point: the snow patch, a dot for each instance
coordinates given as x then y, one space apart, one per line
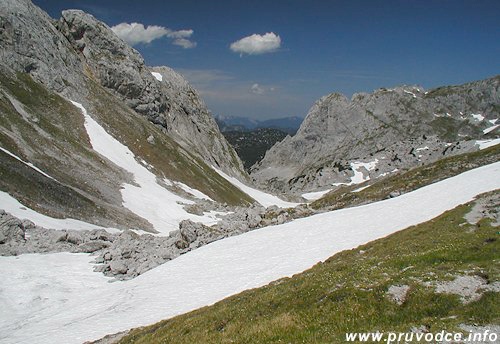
262 197
490 129
312 196
387 173
157 76
64 301
361 188
422 149
19 210
358 176
411 93
483 144
148 199
29 164
196 193
477 117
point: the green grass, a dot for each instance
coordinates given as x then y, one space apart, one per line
348 292
408 181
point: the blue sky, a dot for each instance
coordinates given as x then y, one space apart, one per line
324 46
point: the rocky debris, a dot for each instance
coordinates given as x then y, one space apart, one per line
12 230
398 129
398 293
485 207
469 288
23 236
126 254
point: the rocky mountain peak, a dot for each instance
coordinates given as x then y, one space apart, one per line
67 54
383 125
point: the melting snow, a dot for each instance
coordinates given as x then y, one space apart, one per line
29 164
194 192
387 173
148 199
158 76
361 188
359 177
490 129
408 92
477 116
312 196
57 298
13 206
483 144
263 198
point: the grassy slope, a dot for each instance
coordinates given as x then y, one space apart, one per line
55 123
348 292
407 181
51 134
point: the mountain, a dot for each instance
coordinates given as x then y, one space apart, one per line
234 123
252 145
345 141
60 77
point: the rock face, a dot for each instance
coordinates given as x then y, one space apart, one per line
168 101
63 54
390 128
30 43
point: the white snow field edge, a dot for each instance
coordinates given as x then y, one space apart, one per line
147 199
57 298
263 198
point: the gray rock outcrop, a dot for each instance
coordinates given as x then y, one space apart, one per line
395 128
64 54
170 102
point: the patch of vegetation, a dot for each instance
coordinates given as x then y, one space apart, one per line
45 124
407 181
347 293
251 146
443 91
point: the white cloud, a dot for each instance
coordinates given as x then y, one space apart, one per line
256 89
136 33
180 34
185 43
257 44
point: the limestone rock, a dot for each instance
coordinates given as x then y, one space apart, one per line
387 130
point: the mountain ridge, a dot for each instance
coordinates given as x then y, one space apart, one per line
394 128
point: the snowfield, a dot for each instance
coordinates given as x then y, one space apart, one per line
148 199
56 298
263 198
19 210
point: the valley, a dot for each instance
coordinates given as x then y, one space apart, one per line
128 207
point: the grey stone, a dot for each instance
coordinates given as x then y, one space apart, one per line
93 246
118 267
402 128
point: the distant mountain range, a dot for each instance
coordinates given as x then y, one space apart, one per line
290 125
